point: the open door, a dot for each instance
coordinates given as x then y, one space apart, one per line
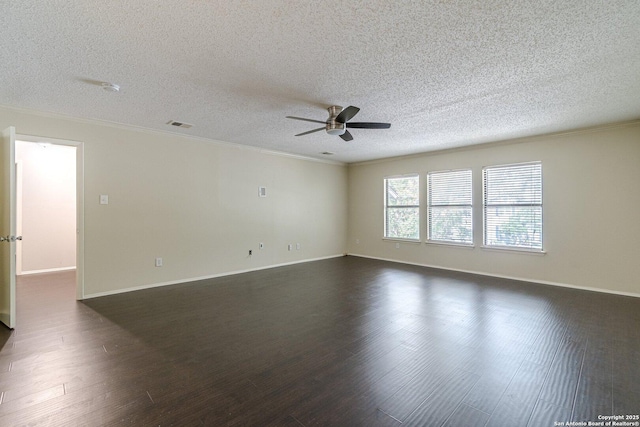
8 228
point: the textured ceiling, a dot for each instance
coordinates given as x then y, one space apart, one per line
444 73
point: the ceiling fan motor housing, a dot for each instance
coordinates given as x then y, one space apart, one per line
334 127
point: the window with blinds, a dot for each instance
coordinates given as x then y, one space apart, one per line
449 207
513 206
402 207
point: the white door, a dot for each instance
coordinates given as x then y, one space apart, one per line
8 228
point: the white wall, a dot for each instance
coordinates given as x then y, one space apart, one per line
48 211
591 197
192 202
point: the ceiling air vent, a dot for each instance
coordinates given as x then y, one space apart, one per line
179 124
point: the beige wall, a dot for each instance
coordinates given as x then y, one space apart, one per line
591 198
192 202
195 204
47 183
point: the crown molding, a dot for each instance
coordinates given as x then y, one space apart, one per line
502 142
142 129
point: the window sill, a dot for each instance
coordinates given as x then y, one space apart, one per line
514 250
398 239
455 245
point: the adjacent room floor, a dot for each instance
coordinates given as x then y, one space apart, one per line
340 342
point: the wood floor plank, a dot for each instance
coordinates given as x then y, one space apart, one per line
440 405
519 399
14 401
344 341
548 414
625 401
562 381
489 389
467 416
440 366
593 398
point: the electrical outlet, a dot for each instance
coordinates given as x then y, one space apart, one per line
250 252
261 245
397 245
290 246
158 262
297 246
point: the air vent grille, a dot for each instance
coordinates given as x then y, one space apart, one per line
179 124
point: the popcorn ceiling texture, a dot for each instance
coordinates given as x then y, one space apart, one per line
444 73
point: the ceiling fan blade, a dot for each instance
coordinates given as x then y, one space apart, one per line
346 136
346 114
312 131
368 125
306 120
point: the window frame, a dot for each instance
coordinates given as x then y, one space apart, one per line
485 245
470 205
387 207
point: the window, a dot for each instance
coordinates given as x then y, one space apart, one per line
513 206
449 207
402 208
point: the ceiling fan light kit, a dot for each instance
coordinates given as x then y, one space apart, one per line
337 123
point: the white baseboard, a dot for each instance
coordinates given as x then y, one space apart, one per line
212 276
522 279
46 270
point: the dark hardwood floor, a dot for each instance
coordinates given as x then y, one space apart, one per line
341 342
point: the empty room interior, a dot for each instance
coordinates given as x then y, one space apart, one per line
332 213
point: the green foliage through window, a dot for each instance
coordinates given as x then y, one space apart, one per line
449 207
402 211
513 206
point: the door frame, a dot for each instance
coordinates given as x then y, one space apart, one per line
79 146
8 261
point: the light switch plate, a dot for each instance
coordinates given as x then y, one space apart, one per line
104 199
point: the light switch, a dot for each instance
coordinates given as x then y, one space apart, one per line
104 199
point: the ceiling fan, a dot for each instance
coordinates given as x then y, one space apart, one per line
338 122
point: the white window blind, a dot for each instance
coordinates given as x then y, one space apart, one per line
513 206
402 207
449 207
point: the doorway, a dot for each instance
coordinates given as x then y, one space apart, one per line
49 184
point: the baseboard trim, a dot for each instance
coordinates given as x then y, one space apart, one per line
521 279
212 276
46 270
